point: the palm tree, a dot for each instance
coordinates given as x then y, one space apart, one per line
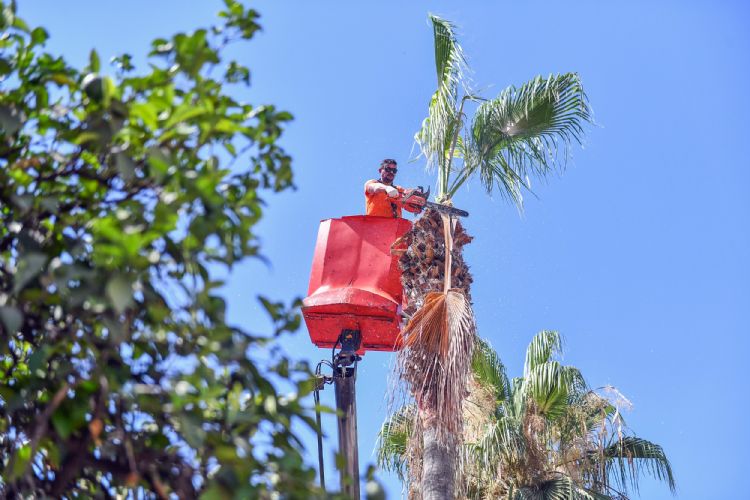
545 435
523 131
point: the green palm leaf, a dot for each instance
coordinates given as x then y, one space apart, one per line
488 370
561 488
502 442
393 440
550 385
443 120
542 348
524 131
630 456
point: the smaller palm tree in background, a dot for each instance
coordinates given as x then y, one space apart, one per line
545 435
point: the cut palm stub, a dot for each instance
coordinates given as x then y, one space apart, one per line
422 260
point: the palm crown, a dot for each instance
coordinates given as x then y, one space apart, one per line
524 131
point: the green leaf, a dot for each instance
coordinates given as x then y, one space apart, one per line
39 36
22 459
5 66
438 129
525 131
29 266
94 62
184 113
146 111
53 454
488 370
39 358
8 14
12 319
62 423
159 162
125 166
191 431
216 492
84 138
119 291
10 120
71 415
543 347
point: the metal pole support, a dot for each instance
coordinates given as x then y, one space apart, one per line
344 378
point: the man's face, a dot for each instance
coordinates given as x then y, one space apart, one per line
388 172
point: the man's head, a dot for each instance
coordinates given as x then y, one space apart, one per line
388 169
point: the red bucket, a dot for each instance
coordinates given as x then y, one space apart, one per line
355 283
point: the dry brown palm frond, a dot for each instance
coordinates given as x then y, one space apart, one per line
479 410
436 358
428 325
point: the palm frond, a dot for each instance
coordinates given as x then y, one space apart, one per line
436 356
518 397
393 440
552 386
438 129
449 56
547 385
503 442
489 371
582 424
559 488
524 131
573 377
542 348
629 457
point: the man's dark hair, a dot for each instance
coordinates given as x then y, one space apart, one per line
387 161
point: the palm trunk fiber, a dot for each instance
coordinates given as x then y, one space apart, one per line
423 262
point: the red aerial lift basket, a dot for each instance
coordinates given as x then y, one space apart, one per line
355 283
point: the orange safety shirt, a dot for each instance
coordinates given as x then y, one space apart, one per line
380 203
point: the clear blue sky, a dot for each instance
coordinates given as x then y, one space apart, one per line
638 254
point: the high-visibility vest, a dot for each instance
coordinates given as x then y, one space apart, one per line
380 203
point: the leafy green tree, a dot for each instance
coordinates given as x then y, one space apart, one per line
545 435
120 198
524 131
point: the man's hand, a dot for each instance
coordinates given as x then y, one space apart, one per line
392 192
379 187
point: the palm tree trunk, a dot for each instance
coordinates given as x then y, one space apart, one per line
438 470
437 370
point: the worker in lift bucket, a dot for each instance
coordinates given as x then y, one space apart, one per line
385 199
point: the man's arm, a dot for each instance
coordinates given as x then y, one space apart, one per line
373 187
